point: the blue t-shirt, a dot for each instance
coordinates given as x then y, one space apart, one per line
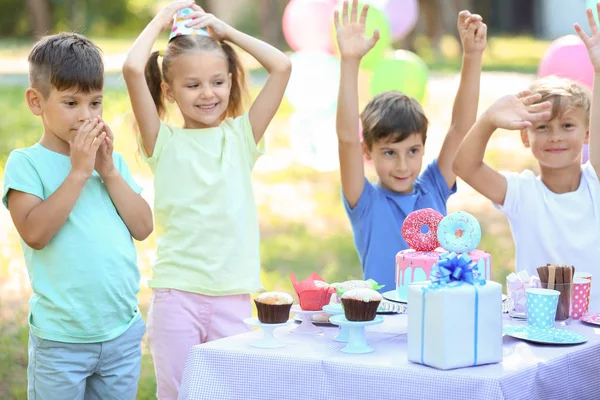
85 281
378 216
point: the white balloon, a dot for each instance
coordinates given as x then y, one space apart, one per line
314 141
314 83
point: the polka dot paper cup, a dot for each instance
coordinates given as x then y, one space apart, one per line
581 297
541 307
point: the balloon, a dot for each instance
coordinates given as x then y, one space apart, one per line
406 72
314 82
376 19
567 57
403 16
585 154
314 141
306 24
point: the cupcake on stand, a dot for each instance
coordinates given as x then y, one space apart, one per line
313 293
273 310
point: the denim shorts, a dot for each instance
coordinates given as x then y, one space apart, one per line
105 370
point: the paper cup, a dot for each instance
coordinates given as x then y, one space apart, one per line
581 297
541 307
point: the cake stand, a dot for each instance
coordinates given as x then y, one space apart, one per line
306 327
337 309
268 341
357 342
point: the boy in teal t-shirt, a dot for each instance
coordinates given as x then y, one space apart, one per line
76 208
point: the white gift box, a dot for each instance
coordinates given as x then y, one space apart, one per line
454 327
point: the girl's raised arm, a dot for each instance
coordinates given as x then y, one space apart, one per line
276 63
145 95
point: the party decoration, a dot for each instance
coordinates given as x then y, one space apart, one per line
306 25
403 16
405 72
314 141
567 57
314 83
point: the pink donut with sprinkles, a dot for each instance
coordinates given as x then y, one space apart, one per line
413 226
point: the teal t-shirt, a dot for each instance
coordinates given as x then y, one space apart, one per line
85 281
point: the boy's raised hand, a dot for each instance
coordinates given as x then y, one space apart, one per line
516 112
592 43
104 157
472 31
351 31
84 147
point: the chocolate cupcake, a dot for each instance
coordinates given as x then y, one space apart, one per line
361 304
273 307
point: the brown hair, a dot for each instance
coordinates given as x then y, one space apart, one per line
190 43
392 116
64 61
564 94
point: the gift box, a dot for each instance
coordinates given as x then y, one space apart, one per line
455 320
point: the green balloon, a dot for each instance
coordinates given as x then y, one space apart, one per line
406 73
376 19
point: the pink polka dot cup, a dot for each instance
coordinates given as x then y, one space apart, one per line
581 297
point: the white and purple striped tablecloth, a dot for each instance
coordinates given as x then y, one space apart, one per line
313 367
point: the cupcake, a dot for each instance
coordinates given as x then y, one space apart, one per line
343 287
313 292
273 307
361 304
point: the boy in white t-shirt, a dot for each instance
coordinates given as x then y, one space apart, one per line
554 217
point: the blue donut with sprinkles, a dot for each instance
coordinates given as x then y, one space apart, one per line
459 232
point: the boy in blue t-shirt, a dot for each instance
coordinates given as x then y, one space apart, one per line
76 208
394 133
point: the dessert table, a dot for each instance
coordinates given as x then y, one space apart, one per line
313 367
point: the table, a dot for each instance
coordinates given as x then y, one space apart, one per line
313 367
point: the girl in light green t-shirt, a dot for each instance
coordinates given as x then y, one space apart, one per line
207 229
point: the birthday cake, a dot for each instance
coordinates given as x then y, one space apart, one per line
424 231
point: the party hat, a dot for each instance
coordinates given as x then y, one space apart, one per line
180 29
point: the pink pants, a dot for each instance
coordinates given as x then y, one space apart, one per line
178 320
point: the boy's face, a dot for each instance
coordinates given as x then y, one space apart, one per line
558 143
64 111
397 164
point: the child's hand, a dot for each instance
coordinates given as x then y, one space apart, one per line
518 112
351 32
104 157
591 42
200 19
84 146
472 31
165 16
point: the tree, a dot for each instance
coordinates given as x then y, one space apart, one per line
41 16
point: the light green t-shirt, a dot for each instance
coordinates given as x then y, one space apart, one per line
206 222
85 281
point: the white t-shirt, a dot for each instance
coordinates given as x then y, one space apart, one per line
556 228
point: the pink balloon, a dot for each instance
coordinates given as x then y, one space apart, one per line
307 25
403 16
567 57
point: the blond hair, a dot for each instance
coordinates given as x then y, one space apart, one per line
564 94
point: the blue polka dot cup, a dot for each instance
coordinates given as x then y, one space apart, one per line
541 307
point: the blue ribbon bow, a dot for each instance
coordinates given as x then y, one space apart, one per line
455 269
